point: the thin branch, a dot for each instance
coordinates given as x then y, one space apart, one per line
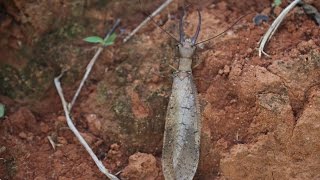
90 65
274 26
76 132
67 108
165 4
85 76
53 144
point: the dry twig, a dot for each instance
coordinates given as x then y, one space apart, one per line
90 65
53 144
67 108
165 4
274 26
76 132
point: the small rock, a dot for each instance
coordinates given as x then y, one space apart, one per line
2 149
62 140
61 119
115 146
141 166
266 10
114 151
44 127
249 50
114 156
226 69
23 135
212 6
94 124
30 137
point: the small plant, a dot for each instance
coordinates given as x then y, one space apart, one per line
276 3
2 110
104 42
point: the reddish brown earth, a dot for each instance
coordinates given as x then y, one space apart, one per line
260 116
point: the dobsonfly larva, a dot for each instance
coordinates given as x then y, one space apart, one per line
181 144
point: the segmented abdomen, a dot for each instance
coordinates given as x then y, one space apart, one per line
180 154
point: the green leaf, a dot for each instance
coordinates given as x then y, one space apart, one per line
2 110
94 39
276 3
110 40
108 43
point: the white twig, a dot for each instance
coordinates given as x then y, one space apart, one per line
53 144
165 4
90 65
67 108
76 132
274 26
85 76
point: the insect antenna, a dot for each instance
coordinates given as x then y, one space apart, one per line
224 30
151 18
195 37
181 32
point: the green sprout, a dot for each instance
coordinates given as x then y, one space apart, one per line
104 42
276 3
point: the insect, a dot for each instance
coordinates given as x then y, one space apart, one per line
181 143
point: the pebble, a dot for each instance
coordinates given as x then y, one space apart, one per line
94 124
23 135
44 127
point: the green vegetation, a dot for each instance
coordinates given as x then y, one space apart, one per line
2 110
104 42
276 3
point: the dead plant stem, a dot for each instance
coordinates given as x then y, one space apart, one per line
274 26
165 4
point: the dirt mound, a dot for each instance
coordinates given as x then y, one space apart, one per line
141 166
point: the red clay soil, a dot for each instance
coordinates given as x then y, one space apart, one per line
260 116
